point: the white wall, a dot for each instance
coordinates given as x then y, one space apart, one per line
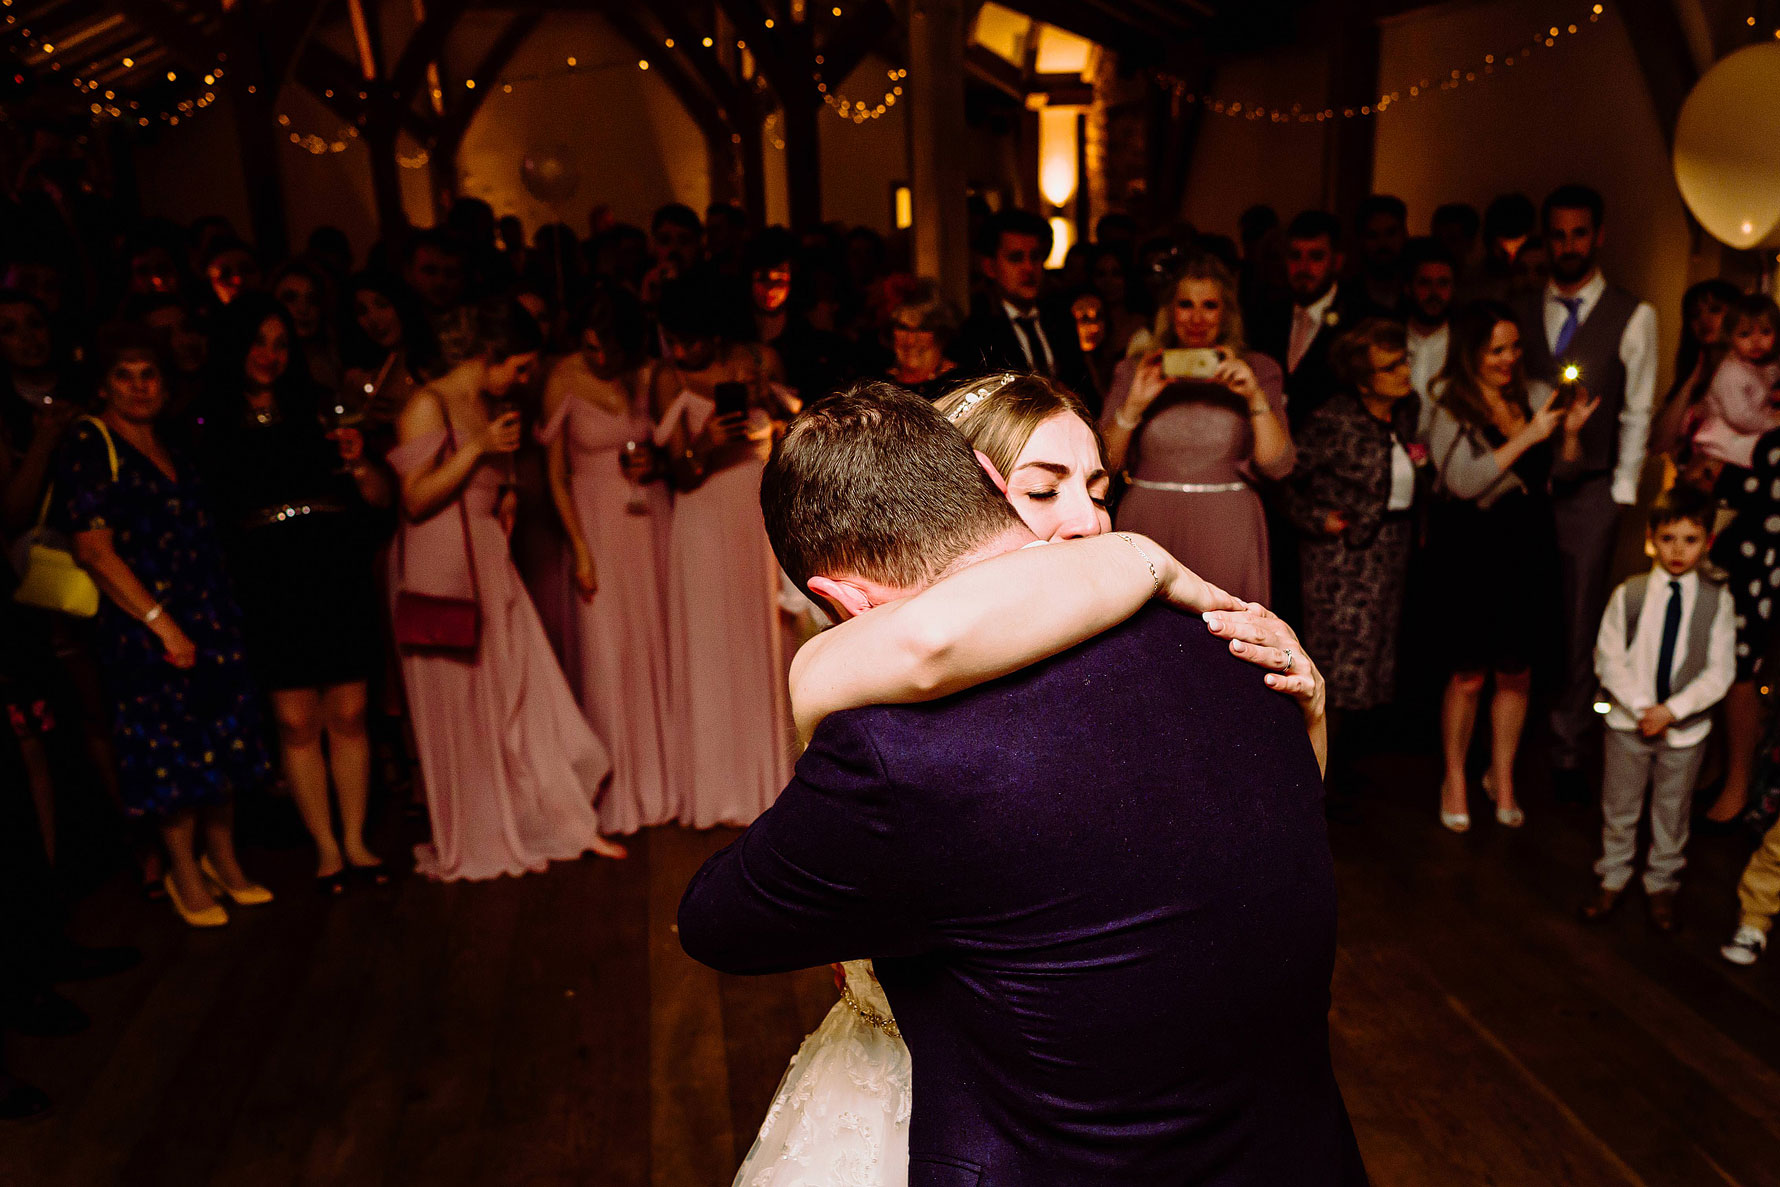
1239 162
634 145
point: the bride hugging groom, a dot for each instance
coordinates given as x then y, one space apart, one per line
1080 842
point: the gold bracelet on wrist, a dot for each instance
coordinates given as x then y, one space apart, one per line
1155 577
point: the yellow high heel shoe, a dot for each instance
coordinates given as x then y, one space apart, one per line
211 916
251 895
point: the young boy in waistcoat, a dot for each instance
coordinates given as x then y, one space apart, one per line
1665 655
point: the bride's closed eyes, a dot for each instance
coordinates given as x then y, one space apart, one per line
1059 483
1098 487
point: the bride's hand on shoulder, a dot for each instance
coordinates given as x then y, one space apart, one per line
1260 637
1255 633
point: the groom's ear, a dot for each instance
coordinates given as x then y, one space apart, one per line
989 469
848 599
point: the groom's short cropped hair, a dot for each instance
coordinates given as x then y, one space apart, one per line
875 483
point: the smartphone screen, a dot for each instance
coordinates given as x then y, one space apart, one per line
731 398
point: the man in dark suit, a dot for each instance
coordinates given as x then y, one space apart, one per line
1299 334
1098 892
1011 331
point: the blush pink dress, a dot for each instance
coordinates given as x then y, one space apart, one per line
621 634
725 646
510 765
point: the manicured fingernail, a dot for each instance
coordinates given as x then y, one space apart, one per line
1212 620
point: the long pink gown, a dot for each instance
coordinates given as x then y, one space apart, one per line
621 634
725 647
510 765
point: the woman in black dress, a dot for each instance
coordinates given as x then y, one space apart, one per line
185 711
1494 540
299 513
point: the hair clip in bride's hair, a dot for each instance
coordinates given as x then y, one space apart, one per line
978 394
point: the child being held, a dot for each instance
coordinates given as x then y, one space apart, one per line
1739 404
1665 655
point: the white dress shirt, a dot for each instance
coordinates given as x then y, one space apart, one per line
1402 478
1427 357
1307 320
1046 366
1628 675
1637 351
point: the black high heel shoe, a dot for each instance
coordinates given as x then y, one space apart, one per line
376 874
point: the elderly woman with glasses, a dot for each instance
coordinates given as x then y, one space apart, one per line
922 325
1351 500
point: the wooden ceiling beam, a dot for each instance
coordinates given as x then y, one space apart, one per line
425 45
993 70
183 39
463 110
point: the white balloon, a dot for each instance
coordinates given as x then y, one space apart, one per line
549 174
1727 147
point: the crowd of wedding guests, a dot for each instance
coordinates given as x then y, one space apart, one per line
475 520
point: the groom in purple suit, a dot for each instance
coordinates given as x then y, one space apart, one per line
1098 891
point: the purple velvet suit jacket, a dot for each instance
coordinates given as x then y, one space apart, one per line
1101 902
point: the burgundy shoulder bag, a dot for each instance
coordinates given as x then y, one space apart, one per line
428 624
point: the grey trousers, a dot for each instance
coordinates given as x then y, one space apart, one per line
1630 764
1587 531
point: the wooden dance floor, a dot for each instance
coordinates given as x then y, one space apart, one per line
548 1030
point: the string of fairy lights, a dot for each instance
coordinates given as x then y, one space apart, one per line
859 111
106 103
855 111
1462 75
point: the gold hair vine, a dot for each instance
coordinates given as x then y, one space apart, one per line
977 395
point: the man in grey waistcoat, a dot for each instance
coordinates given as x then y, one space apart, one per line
1610 335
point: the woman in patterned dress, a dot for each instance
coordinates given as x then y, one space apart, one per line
187 716
1351 500
1749 551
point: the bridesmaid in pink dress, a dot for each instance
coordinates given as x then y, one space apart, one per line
510 766
725 646
597 439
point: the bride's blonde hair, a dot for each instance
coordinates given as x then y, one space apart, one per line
999 413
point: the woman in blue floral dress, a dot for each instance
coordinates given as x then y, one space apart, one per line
169 634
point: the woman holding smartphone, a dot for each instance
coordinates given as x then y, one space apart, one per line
718 409
1194 422
511 766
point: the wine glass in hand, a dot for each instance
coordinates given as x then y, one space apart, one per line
634 461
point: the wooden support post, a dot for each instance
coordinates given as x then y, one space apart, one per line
937 144
803 162
1353 83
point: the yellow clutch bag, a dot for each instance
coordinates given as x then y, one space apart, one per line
50 579
49 576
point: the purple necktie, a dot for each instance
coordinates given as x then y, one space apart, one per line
1567 331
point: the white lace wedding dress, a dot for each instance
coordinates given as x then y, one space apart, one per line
841 1116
